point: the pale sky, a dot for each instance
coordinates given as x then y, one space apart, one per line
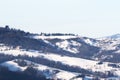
92 18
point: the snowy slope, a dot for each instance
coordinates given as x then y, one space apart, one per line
52 37
49 72
108 44
66 50
71 61
79 62
70 52
115 36
69 46
12 66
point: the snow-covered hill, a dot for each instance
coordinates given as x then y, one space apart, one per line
81 63
115 36
48 72
59 56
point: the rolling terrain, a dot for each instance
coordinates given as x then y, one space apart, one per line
57 56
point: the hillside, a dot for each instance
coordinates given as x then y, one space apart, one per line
55 56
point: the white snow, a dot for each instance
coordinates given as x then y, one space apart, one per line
108 43
65 75
20 52
118 51
115 36
71 61
53 37
46 41
3 47
88 41
12 66
117 72
66 45
78 79
61 74
79 62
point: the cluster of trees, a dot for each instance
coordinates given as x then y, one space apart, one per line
13 37
29 74
41 60
21 60
57 34
12 32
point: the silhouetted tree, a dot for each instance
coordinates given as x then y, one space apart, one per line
7 27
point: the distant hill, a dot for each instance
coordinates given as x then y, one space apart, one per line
53 56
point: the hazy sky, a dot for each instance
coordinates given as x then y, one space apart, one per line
93 18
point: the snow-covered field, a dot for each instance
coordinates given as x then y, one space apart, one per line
66 45
64 75
79 62
12 66
104 43
71 61
53 37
